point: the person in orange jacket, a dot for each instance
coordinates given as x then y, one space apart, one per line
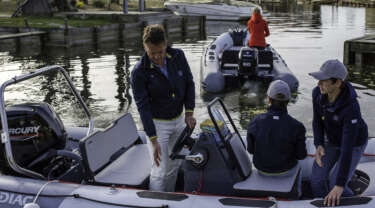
258 29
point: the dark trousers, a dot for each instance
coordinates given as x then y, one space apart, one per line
323 179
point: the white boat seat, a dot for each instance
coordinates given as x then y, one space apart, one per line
255 184
115 155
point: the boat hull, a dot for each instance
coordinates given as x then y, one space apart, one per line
211 11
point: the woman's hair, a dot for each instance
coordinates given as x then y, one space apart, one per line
256 10
154 34
334 80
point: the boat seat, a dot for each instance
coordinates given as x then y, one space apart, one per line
265 60
116 155
258 185
229 58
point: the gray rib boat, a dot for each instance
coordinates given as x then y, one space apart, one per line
45 164
229 58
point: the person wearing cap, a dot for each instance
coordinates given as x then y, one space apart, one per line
276 139
340 133
163 86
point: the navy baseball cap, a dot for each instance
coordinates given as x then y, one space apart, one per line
331 69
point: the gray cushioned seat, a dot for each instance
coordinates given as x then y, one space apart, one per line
131 168
260 182
255 184
114 156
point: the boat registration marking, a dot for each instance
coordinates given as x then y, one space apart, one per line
13 199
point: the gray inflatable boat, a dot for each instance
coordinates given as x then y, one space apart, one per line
45 164
228 61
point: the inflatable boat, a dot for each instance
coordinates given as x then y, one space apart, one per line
228 61
45 164
213 10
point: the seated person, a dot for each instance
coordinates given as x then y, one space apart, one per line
277 140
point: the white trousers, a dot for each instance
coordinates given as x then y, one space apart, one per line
163 178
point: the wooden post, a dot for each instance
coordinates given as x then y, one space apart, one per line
141 5
358 59
125 6
121 37
95 37
165 25
202 29
66 32
184 28
347 53
26 23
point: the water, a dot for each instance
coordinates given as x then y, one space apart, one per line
304 36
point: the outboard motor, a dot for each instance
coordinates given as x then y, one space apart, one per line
248 61
238 36
34 129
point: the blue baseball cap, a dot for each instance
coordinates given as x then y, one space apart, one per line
331 69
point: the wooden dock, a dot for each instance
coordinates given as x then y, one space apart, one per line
360 52
354 3
128 29
24 34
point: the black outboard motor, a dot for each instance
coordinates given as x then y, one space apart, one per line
238 36
34 128
248 61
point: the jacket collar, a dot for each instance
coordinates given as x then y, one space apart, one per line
277 110
347 95
169 56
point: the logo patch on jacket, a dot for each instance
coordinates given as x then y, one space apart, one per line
275 117
354 121
180 73
335 117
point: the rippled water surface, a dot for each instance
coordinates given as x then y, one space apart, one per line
304 36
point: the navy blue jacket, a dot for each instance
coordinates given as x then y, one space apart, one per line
159 97
276 140
341 123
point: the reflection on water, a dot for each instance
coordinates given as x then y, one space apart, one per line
304 36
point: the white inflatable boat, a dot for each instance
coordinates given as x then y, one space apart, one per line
45 164
229 60
213 10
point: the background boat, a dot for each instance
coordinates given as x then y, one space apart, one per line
213 9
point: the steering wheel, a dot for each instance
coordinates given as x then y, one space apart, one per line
181 141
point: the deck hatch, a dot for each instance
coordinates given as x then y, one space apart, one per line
161 195
345 201
246 202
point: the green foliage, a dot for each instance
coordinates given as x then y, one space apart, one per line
99 3
80 4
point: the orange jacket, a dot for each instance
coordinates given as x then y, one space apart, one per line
258 29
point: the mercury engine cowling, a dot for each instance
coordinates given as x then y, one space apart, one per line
248 61
34 128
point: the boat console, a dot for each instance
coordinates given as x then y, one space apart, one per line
228 170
